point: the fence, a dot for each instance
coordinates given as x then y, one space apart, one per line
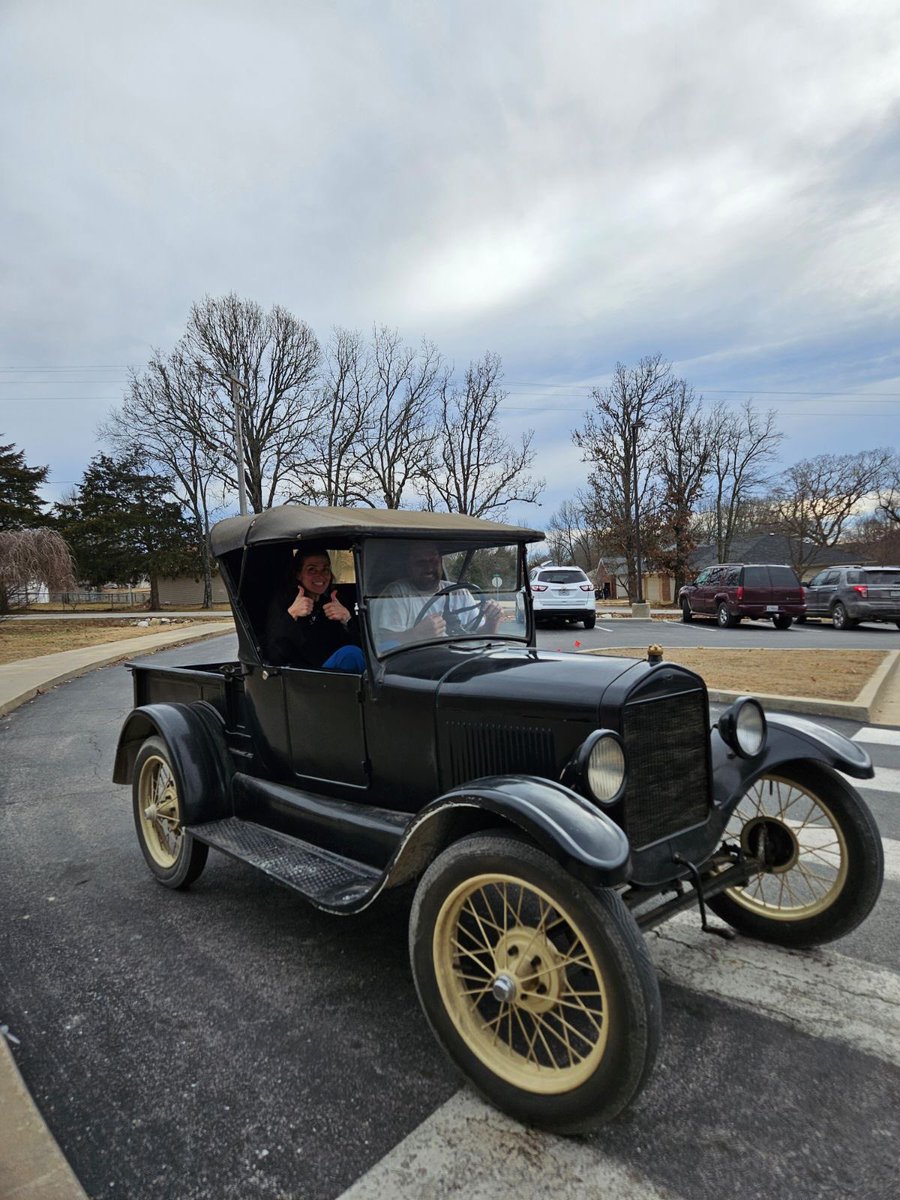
121 598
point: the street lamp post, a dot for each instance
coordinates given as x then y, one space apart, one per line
637 513
236 385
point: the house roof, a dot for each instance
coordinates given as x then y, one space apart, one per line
303 522
775 548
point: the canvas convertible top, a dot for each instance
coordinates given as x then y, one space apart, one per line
302 522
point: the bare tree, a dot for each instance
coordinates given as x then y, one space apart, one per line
335 473
623 428
32 556
166 411
743 446
473 468
889 491
398 432
276 356
820 496
683 454
571 538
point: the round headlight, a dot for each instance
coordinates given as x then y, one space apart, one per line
743 727
606 768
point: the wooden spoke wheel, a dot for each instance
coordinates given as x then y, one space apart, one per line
823 855
540 990
171 854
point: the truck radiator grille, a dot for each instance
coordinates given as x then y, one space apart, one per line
667 748
491 749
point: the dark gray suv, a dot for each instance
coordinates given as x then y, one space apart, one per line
852 594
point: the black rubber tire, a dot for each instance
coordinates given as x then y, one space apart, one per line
190 857
590 620
782 621
724 619
859 857
840 617
686 615
607 931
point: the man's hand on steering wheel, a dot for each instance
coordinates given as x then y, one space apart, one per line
452 619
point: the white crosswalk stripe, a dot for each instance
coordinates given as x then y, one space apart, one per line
876 735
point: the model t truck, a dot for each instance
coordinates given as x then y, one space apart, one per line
546 807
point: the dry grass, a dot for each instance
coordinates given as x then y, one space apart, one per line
30 639
826 674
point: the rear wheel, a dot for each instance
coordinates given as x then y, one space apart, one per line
540 990
590 620
841 619
171 854
686 614
782 621
825 856
724 618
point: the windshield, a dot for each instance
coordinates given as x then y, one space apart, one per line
417 592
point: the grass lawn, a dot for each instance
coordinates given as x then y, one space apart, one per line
826 674
29 639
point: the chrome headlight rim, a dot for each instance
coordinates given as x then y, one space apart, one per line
735 727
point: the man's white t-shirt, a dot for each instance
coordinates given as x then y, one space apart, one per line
400 605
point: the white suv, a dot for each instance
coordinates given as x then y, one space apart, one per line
563 593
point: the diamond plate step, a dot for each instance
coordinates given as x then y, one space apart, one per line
325 878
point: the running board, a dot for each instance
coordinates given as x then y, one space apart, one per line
323 877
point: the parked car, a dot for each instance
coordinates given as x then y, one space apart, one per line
559 593
728 592
849 595
546 807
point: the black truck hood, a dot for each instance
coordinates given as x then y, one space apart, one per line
526 681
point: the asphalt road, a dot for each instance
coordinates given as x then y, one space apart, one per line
230 1042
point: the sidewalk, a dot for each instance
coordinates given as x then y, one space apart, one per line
32 1167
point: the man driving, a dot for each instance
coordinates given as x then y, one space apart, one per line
400 616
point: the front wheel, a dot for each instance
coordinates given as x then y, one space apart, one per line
824 854
540 991
686 614
171 854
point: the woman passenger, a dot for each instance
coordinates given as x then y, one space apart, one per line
308 625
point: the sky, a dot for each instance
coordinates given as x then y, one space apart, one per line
566 183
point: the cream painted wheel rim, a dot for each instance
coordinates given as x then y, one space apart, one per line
159 811
813 869
520 983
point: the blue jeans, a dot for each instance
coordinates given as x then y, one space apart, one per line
348 658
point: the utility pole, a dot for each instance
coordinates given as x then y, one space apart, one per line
637 514
236 385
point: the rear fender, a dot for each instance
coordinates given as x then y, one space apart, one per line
579 836
195 739
790 739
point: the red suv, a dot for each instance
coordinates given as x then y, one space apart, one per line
730 591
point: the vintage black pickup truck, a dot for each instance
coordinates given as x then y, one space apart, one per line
542 808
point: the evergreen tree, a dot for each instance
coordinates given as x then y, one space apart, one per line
20 505
123 526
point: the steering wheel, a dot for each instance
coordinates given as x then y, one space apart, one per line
453 619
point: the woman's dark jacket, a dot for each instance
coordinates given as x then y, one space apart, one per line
308 641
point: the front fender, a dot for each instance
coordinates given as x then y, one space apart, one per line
194 737
579 836
790 739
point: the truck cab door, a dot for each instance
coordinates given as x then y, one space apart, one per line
325 729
